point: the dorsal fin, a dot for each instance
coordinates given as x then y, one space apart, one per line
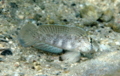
55 29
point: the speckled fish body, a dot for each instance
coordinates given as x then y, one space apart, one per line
54 38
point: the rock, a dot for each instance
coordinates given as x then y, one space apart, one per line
107 15
106 64
7 52
1 60
13 5
89 14
114 26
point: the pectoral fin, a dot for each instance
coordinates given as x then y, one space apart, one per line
47 47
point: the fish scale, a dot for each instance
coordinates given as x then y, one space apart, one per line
61 41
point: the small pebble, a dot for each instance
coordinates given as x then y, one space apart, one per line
73 4
65 20
58 73
37 66
41 75
17 64
3 40
34 0
1 59
21 74
39 24
13 5
7 52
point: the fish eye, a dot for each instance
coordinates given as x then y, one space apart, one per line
91 40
